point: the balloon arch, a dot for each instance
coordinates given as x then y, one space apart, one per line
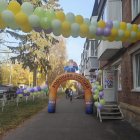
71 76
27 18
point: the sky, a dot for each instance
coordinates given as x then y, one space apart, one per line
77 7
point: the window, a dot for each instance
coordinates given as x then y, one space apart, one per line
119 78
93 48
135 8
136 70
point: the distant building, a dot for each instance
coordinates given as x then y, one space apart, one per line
89 61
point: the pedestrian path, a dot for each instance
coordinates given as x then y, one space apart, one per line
71 123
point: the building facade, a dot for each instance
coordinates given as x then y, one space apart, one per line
119 61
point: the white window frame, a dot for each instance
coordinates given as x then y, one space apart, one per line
132 7
134 72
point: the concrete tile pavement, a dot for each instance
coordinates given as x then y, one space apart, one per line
71 123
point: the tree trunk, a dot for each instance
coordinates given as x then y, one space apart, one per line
34 77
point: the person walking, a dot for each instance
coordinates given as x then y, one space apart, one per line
71 95
67 93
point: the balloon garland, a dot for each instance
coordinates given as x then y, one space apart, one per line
98 93
26 18
33 91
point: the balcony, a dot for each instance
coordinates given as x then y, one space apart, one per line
108 49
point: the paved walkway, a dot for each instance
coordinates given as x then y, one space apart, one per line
71 123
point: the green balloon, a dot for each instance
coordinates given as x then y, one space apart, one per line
102 101
3 5
129 26
96 104
39 12
20 95
96 91
34 20
95 97
133 35
50 14
116 24
100 88
97 83
45 23
120 33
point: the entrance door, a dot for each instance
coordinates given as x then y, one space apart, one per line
109 85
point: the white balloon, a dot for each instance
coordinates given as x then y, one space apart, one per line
27 8
34 20
8 17
75 29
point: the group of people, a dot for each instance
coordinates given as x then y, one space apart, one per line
69 93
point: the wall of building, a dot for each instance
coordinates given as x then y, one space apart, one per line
129 100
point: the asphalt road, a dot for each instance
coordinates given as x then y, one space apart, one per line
71 123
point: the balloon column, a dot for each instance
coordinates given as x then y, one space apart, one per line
28 18
71 67
98 94
34 91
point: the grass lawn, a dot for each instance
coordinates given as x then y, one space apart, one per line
12 115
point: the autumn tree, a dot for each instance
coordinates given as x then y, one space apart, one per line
58 59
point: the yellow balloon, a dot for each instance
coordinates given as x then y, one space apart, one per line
14 6
111 38
84 30
21 19
135 27
123 25
2 24
89 36
26 28
66 26
138 36
79 19
114 32
127 34
101 24
66 34
60 15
